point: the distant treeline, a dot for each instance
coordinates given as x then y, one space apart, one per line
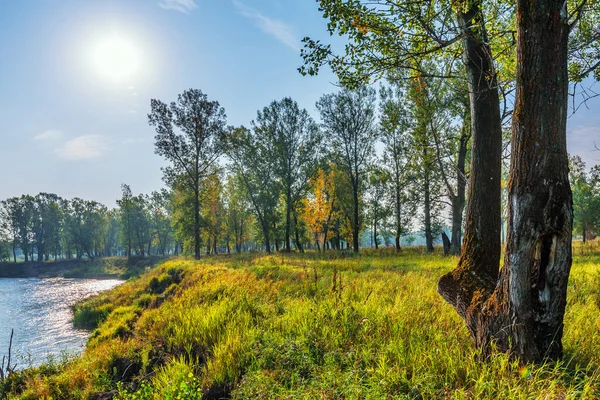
285 183
47 226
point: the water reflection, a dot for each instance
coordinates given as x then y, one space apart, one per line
40 312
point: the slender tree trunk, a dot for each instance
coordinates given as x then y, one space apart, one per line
524 312
458 201
398 215
14 249
288 220
197 222
265 227
298 243
375 234
427 212
355 227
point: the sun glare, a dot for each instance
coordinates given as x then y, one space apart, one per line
115 58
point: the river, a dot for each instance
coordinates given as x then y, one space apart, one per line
40 312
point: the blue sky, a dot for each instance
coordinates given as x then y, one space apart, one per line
69 126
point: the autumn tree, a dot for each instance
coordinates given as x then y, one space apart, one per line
319 207
212 211
349 120
189 134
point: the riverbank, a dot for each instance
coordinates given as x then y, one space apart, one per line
306 326
98 268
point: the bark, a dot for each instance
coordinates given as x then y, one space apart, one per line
458 200
398 211
523 312
298 243
480 258
446 244
196 223
427 212
288 221
356 218
375 234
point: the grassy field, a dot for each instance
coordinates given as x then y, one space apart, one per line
333 326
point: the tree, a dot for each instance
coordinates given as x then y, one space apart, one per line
252 162
160 214
237 210
46 224
394 127
425 171
212 211
194 151
295 139
87 224
126 217
111 238
10 213
586 197
348 117
521 308
385 37
378 209
319 208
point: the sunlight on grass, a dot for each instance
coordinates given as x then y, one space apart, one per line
293 326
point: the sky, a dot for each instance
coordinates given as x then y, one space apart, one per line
76 79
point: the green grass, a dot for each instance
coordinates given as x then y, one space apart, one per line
311 326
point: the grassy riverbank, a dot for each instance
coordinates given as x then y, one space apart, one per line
99 268
309 327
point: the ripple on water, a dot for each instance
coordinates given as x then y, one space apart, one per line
40 312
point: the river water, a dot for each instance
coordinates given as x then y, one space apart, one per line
40 312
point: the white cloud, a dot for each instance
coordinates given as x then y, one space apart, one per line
51 134
133 140
273 27
184 6
82 147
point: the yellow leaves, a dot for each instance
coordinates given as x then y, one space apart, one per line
317 208
362 28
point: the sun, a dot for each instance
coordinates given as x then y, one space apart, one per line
115 58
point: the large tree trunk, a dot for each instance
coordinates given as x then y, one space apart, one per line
523 313
480 257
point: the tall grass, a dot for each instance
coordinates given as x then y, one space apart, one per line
310 326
